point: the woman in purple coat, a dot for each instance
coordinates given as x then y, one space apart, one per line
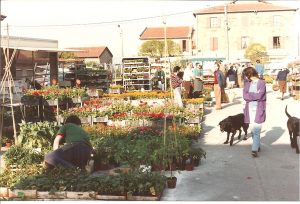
254 93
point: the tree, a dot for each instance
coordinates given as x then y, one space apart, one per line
256 51
67 55
156 48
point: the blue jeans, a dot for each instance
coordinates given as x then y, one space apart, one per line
70 155
255 131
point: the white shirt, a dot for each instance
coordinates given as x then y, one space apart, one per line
187 74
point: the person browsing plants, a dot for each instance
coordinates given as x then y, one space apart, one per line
77 149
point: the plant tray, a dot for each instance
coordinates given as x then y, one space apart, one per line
195 106
116 91
51 195
77 100
80 195
22 193
110 197
194 120
51 102
86 120
100 119
143 198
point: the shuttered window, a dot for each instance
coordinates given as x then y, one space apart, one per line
244 42
214 22
213 44
276 42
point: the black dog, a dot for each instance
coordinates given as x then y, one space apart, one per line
293 127
233 123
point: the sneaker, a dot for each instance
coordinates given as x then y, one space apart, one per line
254 154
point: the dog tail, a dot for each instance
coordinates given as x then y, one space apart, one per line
288 115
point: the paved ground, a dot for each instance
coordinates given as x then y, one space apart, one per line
230 173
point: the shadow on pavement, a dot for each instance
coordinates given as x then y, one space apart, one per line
272 135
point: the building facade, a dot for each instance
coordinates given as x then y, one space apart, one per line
101 55
182 35
227 30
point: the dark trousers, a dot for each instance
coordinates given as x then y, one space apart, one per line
70 156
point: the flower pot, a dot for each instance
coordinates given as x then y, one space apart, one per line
157 167
171 182
196 162
189 167
8 145
3 192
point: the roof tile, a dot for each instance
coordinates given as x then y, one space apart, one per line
244 7
88 51
171 33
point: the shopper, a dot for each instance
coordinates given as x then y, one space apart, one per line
159 79
231 77
176 86
197 81
77 150
187 81
219 83
281 78
254 93
259 69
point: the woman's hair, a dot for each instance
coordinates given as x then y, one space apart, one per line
180 75
73 119
176 69
250 72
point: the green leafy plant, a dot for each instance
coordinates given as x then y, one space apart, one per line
17 155
37 135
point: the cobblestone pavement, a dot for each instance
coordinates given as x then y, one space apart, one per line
230 173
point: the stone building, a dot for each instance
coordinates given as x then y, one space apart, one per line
182 35
271 25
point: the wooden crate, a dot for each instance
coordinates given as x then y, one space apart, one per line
80 195
143 198
22 193
51 195
3 192
110 197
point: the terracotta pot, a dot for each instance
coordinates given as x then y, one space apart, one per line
171 182
8 145
189 167
196 162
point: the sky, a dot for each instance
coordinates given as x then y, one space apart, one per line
80 23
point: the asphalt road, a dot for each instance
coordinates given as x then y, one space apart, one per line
230 173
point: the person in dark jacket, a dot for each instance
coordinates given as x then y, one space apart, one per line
281 78
231 76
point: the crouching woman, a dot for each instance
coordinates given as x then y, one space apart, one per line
77 149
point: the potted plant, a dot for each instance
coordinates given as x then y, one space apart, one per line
171 153
196 154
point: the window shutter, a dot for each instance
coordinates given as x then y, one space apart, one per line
211 45
208 22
